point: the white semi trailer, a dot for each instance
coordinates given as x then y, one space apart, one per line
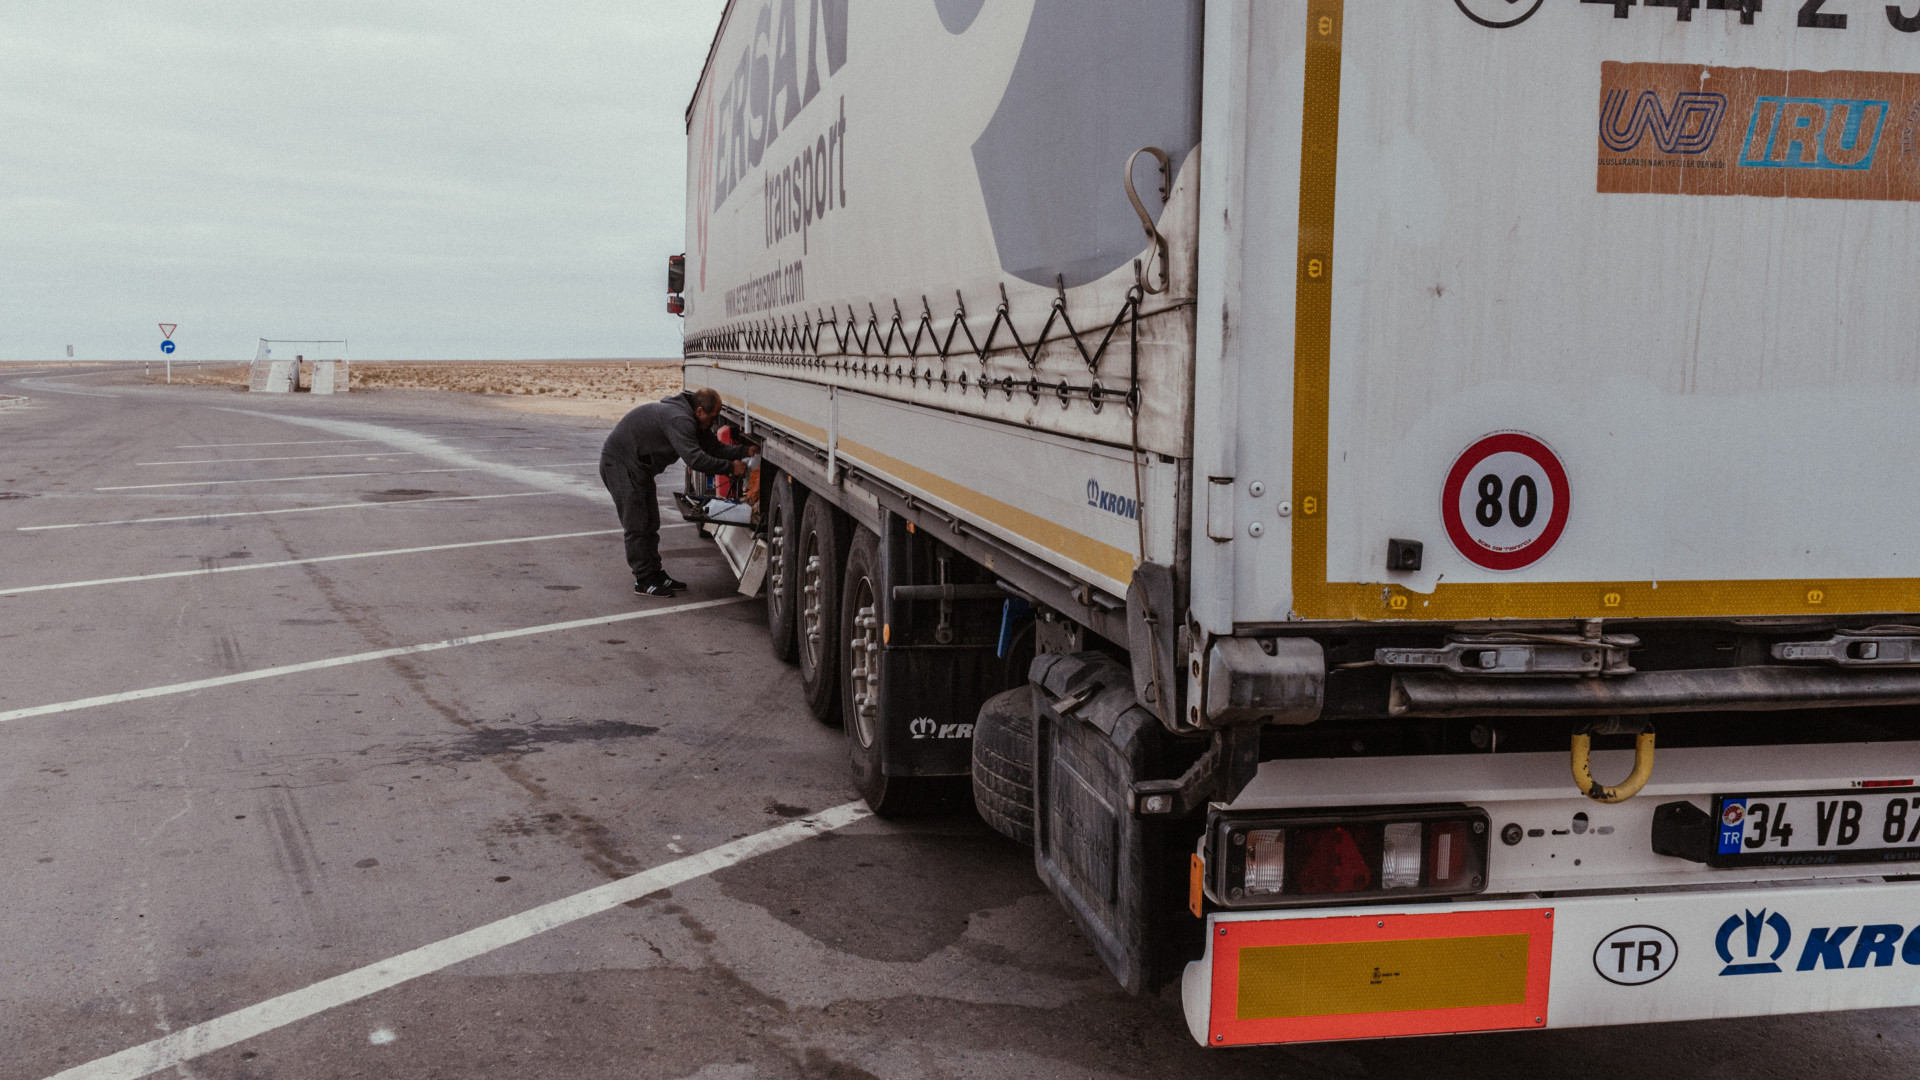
1268 445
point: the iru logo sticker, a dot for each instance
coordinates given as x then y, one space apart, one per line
1814 133
1758 928
1635 955
1112 502
1685 129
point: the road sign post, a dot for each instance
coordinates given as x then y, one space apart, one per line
167 346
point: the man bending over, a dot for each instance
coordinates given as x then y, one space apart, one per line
642 445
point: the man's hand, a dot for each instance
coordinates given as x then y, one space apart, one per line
739 468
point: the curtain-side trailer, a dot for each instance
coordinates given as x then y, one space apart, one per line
1401 504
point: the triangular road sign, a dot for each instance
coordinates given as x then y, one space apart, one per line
167 329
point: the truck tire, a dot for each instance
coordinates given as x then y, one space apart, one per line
821 554
1003 764
783 577
861 695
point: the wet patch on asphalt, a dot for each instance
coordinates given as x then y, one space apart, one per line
896 897
595 842
502 746
482 742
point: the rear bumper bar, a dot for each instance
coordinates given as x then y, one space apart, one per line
1277 977
1704 690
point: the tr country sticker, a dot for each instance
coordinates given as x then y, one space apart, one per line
1506 500
1635 955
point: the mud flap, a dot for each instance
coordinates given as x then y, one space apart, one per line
1119 875
931 699
931 688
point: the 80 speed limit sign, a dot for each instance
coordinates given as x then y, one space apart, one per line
1505 502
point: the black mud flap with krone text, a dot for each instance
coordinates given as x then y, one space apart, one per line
941 658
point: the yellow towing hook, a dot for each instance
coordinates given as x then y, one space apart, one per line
1626 789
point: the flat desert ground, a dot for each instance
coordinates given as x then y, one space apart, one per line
597 388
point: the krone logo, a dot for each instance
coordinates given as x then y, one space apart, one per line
1499 14
1758 927
923 728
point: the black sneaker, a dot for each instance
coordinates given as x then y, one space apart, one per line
660 586
670 582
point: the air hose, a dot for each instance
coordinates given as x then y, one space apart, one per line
1626 789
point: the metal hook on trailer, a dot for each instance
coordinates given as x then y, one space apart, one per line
1160 249
1582 762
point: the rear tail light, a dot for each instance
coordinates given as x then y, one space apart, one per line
1274 860
1331 860
1400 861
676 284
1450 862
1266 862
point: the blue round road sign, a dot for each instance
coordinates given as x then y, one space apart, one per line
166 346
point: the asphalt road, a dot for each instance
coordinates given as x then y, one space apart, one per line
223 788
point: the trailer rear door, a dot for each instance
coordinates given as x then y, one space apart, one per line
1610 306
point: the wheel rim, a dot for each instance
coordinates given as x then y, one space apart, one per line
863 664
777 563
812 621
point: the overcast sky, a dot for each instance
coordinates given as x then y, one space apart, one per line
425 178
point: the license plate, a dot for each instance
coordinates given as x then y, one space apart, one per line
1817 828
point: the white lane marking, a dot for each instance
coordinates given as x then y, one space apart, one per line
323 476
235 1027
317 442
21 590
355 658
251 460
293 442
275 479
289 510
41 384
323 457
426 445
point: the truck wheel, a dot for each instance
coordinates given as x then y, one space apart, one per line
818 559
783 577
1003 764
861 709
